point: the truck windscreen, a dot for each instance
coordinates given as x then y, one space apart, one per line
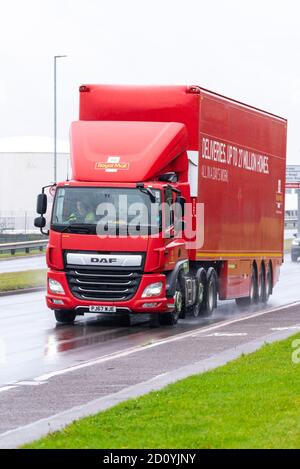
107 211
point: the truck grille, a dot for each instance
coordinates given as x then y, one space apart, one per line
103 284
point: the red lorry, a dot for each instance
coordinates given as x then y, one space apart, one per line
209 174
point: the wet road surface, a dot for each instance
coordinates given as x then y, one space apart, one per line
22 263
31 343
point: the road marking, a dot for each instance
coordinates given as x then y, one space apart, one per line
7 388
27 383
227 334
287 328
141 348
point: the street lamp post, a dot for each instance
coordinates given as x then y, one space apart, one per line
55 117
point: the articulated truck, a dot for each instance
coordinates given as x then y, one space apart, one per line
176 202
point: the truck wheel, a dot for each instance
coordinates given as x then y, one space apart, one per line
170 319
211 291
64 316
199 307
184 309
268 287
249 300
261 286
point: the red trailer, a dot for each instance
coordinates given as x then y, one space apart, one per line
211 171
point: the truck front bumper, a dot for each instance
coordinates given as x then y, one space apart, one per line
137 304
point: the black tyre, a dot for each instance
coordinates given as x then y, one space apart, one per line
64 316
249 300
261 286
268 287
171 318
184 309
211 291
199 307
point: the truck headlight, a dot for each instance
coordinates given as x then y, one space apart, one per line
55 286
296 242
154 289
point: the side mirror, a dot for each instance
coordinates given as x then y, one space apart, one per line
41 206
295 235
40 222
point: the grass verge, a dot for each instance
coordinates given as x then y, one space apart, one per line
32 253
253 402
11 281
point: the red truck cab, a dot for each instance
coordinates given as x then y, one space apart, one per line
176 200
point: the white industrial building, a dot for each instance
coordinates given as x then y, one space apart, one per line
27 164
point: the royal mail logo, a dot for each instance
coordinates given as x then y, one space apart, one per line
112 164
102 165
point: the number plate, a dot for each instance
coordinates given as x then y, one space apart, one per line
102 309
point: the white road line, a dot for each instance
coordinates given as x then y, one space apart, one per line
141 348
287 328
27 383
7 388
227 334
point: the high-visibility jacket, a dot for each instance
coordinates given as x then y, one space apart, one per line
75 217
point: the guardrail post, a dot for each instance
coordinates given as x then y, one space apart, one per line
26 246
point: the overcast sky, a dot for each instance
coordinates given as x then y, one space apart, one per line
248 50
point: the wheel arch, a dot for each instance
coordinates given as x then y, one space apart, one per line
173 275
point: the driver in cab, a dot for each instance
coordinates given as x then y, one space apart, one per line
82 214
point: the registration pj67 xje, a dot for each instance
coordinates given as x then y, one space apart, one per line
102 309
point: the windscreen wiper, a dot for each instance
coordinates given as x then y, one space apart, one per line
146 190
78 228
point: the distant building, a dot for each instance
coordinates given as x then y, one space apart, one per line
26 166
